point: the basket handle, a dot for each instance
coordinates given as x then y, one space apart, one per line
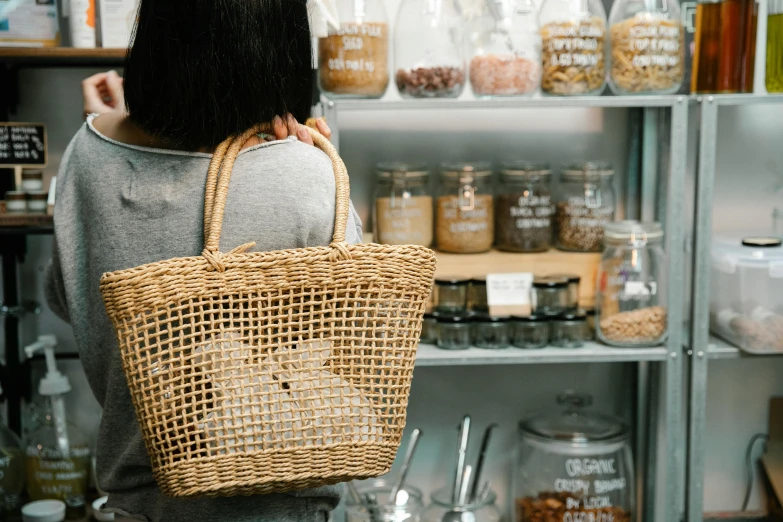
219 176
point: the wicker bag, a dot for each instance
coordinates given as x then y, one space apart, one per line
264 372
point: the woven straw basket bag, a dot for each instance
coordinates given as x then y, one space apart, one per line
264 372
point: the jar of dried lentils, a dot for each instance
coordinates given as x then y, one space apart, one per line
523 207
464 222
403 205
353 60
585 204
574 47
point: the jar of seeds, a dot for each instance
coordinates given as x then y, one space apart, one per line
585 204
523 208
465 211
403 205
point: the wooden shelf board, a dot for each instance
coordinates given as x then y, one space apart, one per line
60 55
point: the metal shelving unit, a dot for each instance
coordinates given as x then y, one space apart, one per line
660 369
703 346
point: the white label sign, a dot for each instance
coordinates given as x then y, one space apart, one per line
509 294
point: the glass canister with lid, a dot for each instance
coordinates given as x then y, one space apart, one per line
506 56
585 204
573 466
464 223
523 207
403 205
429 49
648 47
632 283
574 45
353 59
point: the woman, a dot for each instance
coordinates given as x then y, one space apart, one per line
131 187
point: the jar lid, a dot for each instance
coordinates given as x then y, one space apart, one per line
452 281
572 278
432 315
32 174
550 282
574 425
524 169
588 170
454 319
44 511
633 231
732 253
476 169
532 318
486 318
38 195
762 242
15 195
479 281
589 312
401 170
571 316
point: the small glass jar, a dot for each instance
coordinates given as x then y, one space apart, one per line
451 295
408 507
523 208
465 212
648 47
483 510
585 203
531 332
37 202
32 181
429 329
573 290
550 295
569 330
632 283
15 201
574 47
429 49
774 74
454 332
477 296
506 57
403 205
353 59
491 332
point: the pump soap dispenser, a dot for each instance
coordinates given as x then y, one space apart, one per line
11 470
57 454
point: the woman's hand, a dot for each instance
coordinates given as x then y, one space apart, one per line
290 127
103 93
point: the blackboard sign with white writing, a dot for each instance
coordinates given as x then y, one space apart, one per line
22 144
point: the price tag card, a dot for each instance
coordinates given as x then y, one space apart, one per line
23 144
509 294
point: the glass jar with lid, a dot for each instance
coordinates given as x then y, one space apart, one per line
480 510
585 204
531 332
574 47
550 295
523 207
632 284
491 332
506 55
477 296
575 464
569 330
429 49
451 295
454 332
353 58
403 205
573 290
648 47
464 223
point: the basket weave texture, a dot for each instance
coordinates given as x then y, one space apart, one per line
263 372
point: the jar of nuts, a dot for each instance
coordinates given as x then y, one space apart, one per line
585 203
574 47
631 294
429 49
353 59
573 466
464 221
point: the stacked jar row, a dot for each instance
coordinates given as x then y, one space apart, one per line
468 217
509 49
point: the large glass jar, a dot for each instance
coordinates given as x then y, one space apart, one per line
648 47
403 205
573 466
353 59
506 56
574 46
482 510
429 49
585 204
523 208
465 211
632 284
774 78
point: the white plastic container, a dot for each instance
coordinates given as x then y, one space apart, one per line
82 20
746 302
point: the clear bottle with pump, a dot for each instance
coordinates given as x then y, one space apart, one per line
11 471
57 454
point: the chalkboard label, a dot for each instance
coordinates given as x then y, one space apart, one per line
22 144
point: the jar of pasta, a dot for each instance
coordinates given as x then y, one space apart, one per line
574 47
403 205
464 222
648 47
353 59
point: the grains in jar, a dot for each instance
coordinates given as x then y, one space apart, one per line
465 208
403 205
523 208
573 56
353 62
585 204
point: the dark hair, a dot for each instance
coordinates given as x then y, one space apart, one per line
199 71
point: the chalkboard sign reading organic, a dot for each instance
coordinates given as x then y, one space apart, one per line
22 144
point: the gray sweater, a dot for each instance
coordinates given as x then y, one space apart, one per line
120 206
